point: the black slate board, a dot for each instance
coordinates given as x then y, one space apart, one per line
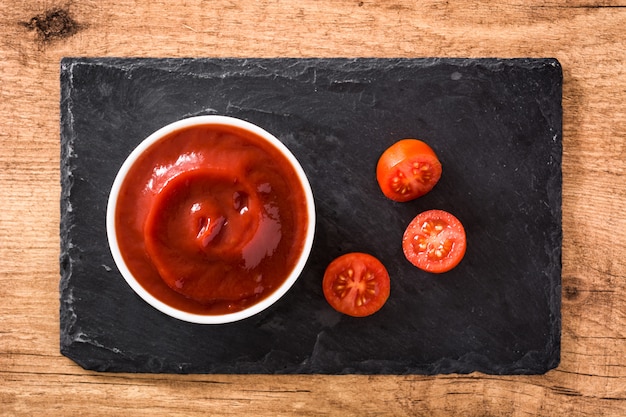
496 126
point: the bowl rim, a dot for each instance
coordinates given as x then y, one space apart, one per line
162 306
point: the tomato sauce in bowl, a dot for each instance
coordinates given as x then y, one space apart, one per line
211 219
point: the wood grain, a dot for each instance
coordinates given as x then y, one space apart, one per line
587 36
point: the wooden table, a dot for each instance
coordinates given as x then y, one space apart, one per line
587 36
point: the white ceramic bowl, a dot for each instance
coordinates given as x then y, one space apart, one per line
160 305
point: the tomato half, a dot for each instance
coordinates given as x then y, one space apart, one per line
356 284
407 169
434 241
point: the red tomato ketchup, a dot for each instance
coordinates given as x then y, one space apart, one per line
211 219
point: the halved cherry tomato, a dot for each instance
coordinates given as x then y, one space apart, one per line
407 169
434 241
356 284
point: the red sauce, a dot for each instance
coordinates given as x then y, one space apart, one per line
211 219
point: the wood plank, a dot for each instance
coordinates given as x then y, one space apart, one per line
586 36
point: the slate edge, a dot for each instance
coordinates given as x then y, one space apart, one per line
69 333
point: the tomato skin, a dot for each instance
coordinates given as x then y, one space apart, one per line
356 284
434 241
408 169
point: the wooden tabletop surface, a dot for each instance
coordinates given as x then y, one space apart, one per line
587 36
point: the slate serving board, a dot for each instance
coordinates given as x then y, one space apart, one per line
496 126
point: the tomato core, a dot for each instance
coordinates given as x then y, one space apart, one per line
408 180
432 240
361 288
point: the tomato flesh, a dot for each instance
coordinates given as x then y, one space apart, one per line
356 284
434 241
408 169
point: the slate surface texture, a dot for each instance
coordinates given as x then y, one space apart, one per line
496 126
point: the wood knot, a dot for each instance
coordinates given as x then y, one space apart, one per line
55 23
571 292
574 289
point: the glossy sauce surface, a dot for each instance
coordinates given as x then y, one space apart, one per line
211 219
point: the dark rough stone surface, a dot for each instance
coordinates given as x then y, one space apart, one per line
496 126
